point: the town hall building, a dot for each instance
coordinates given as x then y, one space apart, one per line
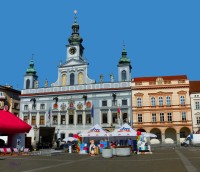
75 102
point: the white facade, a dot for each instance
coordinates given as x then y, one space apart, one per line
195 106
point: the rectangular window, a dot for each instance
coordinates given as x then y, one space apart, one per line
124 102
182 100
88 119
25 107
197 105
183 116
26 119
169 117
139 118
33 120
160 100
42 120
71 119
161 117
139 102
55 119
153 117
114 118
62 120
16 105
104 118
42 106
79 119
198 120
125 117
104 103
168 101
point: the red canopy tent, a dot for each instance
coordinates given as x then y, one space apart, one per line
11 124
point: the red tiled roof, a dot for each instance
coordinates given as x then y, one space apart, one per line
194 86
165 78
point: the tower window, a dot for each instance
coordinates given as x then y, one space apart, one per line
72 79
64 79
80 78
124 75
27 83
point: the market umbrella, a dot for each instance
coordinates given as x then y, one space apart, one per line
11 124
71 139
148 134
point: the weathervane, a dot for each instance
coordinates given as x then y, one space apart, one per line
123 44
75 12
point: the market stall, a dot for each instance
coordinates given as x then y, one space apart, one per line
93 134
143 144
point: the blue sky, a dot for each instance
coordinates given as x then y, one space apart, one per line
162 37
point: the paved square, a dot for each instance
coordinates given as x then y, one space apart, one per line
162 160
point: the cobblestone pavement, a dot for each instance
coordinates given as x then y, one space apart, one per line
162 160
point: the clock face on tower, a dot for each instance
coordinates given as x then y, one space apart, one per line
72 50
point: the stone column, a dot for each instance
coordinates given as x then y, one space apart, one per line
75 118
58 118
178 138
67 118
84 118
163 137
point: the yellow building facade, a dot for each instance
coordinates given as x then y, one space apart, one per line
161 105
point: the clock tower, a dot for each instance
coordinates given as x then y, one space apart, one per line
75 48
75 69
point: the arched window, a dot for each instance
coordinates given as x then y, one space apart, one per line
160 100
80 78
153 101
72 79
27 83
64 79
182 100
124 75
139 102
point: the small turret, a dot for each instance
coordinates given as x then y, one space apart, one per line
30 77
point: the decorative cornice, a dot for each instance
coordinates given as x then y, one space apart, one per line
138 94
160 93
182 92
77 91
155 87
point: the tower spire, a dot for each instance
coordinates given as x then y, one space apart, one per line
75 39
